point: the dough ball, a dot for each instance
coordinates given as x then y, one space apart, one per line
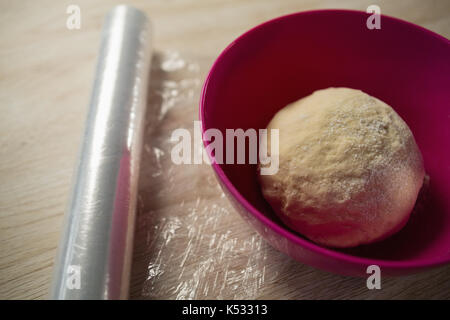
349 168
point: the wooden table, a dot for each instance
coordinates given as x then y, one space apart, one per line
46 73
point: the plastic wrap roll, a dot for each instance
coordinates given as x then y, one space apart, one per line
95 250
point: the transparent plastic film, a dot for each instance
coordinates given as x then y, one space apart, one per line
189 241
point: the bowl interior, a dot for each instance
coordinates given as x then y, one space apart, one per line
404 65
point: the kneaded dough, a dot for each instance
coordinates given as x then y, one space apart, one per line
349 168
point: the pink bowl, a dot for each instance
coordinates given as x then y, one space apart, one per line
287 58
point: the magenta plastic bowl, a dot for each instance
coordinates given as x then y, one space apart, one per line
288 58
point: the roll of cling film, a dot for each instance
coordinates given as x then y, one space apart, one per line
95 251
189 243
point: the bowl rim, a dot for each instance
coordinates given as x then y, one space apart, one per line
282 230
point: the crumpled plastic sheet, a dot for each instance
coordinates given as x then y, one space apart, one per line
189 241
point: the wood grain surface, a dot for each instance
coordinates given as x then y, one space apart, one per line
46 73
